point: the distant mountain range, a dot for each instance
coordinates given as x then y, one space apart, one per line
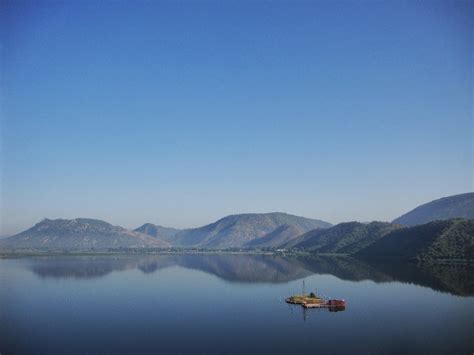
79 234
457 206
452 239
236 231
229 232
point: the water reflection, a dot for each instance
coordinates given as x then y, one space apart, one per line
237 268
453 278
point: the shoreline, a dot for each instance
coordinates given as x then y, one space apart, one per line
4 255
165 252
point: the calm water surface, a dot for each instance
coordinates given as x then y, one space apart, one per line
230 304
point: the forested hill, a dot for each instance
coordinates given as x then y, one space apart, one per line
347 238
451 239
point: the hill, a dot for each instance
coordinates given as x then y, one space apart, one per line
237 230
457 206
159 232
78 235
277 237
450 239
347 238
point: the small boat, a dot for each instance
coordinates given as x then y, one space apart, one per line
313 301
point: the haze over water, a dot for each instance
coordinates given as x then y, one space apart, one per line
227 304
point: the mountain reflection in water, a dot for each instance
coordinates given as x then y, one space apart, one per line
453 278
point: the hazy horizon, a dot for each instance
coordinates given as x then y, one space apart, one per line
132 227
181 113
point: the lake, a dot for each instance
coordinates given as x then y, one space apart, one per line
231 304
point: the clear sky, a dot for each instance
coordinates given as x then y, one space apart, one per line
181 112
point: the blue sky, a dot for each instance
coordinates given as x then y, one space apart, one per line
181 112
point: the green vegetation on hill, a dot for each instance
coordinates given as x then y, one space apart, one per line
457 206
451 239
346 238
